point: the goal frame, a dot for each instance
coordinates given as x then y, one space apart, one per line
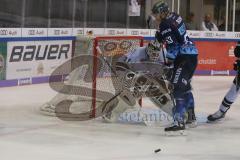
94 46
95 65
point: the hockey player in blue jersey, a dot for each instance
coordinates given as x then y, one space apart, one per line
183 54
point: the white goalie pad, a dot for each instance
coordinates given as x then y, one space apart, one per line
100 86
164 102
121 107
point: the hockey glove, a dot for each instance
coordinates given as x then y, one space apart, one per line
236 65
237 50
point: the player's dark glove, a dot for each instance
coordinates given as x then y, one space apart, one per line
237 50
159 37
236 65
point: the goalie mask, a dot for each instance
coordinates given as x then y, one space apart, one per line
153 50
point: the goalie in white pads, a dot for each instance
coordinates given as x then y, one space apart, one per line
144 64
139 73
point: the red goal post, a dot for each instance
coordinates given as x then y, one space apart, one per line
97 80
110 46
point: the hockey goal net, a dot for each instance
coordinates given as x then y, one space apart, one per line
105 48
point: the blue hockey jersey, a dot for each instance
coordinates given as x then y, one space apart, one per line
172 32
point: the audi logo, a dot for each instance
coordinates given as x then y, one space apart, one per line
135 33
237 35
111 32
56 32
3 32
31 32
209 34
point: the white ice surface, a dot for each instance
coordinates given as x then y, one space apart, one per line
27 135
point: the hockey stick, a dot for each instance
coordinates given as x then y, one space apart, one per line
165 62
164 55
101 52
112 71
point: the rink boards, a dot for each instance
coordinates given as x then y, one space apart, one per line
29 55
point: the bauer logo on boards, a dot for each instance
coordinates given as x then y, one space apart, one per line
39 52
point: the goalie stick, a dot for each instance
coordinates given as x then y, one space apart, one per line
165 61
115 74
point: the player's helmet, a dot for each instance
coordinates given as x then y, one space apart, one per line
153 50
160 7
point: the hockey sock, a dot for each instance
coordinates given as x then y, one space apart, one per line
179 112
189 100
225 105
229 98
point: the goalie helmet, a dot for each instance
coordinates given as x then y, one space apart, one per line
160 7
153 50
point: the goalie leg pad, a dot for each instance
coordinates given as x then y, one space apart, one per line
114 115
164 102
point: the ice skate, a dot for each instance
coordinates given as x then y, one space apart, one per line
217 116
191 119
177 128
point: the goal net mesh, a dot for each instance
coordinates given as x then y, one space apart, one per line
96 57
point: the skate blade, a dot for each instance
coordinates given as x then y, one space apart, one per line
176 133
216 121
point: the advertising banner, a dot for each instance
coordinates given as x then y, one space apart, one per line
34 32
139 32
215 56
3 55
56 32
36 58
115 31
10 32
